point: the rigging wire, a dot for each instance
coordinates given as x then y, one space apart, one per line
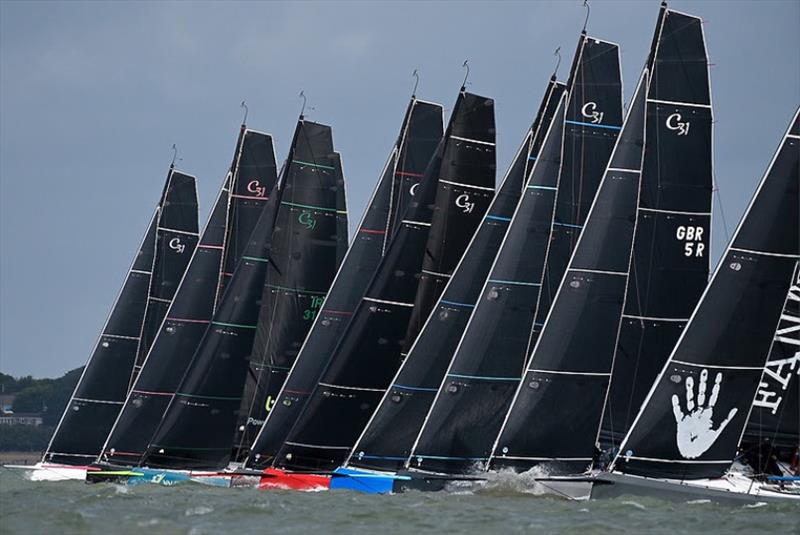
466 75
557 53
174 156
415 74
246 110
588 12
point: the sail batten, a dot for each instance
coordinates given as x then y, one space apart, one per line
387 439
400 295
176 337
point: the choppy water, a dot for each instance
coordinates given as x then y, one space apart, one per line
75 507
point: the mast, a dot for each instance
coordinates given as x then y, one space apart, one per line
693 417
386 441
571 361
310 234
368 354
157 267
192 307
479 384
669 268
419 135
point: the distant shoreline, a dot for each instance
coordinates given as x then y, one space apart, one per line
20 457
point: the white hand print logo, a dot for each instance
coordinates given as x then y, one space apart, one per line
695 428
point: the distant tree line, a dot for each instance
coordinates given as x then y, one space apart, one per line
47 397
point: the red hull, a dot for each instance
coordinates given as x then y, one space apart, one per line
279 479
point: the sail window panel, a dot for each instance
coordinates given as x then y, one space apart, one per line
550 432
131 304
635 370
468 163
680 73
180 206
747 287
109 376
140 409
779 234
657 435
178 340
678 184
460 442
193 300
320 412
670 251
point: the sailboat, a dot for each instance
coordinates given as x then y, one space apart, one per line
638 269
437 225
239 204
457 435
684 438
386 440
419 135
151 281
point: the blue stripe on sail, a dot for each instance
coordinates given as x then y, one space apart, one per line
566 225
521 283
387 457
455 304
483 377
532 158
606 126
419 388
498 218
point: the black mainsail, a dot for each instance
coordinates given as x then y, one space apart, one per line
461 425
369 353
387 439
675 207
194 303
153 276
418 138
693 417
308 242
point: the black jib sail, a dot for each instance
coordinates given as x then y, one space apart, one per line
694 415
465 417
369 353
419 136
310 233
675 208
775 421
156 271
386 441
195 301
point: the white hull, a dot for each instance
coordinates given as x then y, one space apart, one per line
732 488
52 472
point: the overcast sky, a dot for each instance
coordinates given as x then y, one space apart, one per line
93 95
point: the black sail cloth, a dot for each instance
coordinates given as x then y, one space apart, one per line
464 420
154 275
386 441
557 407
309 237
675 208
369 353
694 415
776 410
419 136
194 303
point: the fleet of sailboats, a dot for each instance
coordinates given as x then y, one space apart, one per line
562 326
